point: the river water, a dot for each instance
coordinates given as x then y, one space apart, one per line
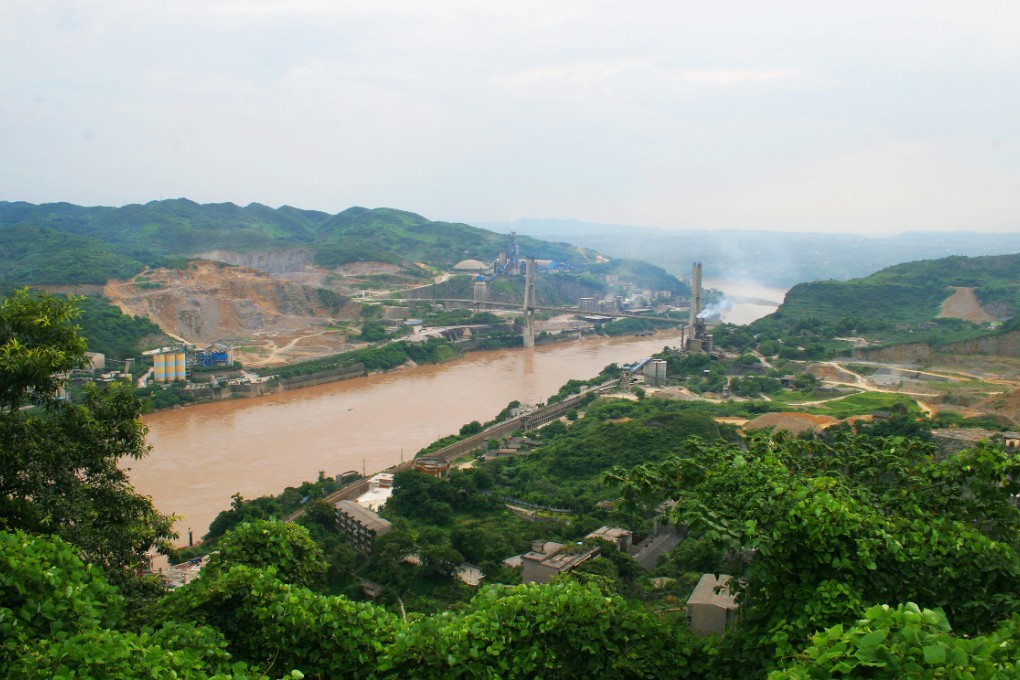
749 300
203 454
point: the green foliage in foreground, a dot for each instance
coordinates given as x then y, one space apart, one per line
242 621
906 642
287 548
59 616
59 471
831 527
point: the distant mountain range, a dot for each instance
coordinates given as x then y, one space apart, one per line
779 259
60 243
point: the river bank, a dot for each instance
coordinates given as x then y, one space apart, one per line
233 383
204 453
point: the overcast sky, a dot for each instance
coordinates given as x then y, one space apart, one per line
870 117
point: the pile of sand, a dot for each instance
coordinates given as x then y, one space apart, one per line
791 422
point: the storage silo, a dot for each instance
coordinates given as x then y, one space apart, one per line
649 371
180 366
159 367
480 292
660 372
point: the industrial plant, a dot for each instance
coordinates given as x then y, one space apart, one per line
699 340
177 363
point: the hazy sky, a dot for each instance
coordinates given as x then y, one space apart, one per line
810 116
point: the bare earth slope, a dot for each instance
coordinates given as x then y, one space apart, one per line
963 304
208 302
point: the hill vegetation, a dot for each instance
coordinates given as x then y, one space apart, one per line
911 292
64 243
901 304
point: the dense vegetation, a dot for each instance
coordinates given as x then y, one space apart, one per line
894 306
826 528
43 255
905 294
63 243
384 357
59 469
108 330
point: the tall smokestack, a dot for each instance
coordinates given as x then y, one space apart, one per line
695 294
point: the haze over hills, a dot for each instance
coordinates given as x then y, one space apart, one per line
769 257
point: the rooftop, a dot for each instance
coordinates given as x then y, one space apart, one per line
362 515
714 590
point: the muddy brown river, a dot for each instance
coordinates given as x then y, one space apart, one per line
203 454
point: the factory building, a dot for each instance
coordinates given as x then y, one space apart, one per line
549 559
175 364
361 525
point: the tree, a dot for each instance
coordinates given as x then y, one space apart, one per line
39 344
474 427
905 642
805 382
562 630
282 626
825 528
373 331
438 556
58 613
59 471
286 548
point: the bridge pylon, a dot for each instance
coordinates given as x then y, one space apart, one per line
529 303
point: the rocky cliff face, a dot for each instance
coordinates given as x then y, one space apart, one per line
206 301
274 262
1004 345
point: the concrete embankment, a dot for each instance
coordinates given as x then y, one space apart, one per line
320 377
227 386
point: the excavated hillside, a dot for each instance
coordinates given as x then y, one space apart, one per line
266 319
296 265
963 304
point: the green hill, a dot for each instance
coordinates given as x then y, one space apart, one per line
63 243
43 255
906 293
